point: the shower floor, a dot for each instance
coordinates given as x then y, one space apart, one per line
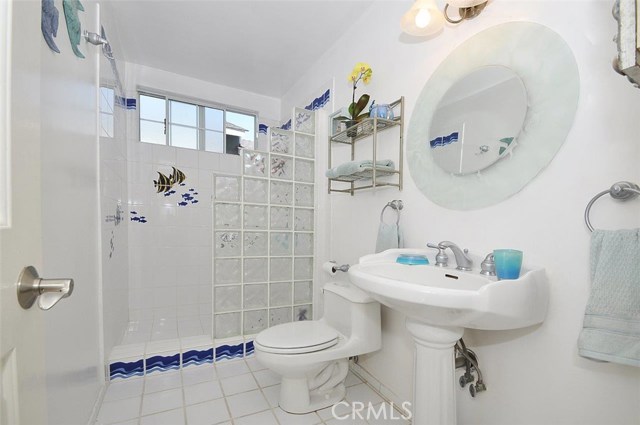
141 331
241 392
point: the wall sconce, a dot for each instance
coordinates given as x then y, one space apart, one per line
424 18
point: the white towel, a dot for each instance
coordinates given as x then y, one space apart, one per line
389 237
611 329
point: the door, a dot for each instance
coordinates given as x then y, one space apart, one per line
23 394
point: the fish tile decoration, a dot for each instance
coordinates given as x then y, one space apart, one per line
49 24
71 9
136 217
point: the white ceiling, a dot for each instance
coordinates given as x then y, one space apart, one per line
261 46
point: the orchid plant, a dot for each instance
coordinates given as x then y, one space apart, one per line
361 72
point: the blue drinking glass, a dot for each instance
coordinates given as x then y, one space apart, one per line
508 263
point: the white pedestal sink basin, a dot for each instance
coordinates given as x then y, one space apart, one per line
439 303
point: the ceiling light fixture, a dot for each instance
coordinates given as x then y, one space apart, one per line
424 18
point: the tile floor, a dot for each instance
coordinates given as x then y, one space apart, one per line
239 392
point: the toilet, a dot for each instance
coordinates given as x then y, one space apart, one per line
312 356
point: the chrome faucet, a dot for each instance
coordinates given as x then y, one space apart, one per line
463 261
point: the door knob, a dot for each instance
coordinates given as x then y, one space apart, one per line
47 291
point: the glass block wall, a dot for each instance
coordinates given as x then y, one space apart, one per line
264 234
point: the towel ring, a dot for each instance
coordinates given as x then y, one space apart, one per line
620 190
395 205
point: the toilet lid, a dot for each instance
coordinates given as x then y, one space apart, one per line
297 337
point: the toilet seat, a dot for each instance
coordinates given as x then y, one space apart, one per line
297 338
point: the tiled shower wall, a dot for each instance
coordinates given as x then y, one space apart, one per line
264 234
170 242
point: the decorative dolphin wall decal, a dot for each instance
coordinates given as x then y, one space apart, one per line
71 8
49 24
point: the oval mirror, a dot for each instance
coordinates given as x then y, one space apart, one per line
471 129
493 115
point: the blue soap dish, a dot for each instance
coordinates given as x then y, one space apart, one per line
412 260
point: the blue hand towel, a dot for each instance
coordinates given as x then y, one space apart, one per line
611 328
351 167
389 237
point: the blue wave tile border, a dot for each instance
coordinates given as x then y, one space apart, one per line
228 352
163 363
197 357
191 357
126 370
248 348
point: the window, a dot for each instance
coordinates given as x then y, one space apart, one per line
173 122
107 97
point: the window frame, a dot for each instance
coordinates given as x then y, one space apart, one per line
201 104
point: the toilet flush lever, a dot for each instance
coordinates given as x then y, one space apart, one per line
48 292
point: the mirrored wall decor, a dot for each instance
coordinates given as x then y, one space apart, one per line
492 115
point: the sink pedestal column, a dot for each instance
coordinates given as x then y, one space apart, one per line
434 397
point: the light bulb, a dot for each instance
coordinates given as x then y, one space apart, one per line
423 17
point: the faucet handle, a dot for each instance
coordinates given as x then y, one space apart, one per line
441 257
488 266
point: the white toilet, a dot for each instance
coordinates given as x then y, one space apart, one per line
312 356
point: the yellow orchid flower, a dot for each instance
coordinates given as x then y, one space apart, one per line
361 71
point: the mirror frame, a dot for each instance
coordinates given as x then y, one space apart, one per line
547 67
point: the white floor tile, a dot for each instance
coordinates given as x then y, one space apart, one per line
247 403
231 368
254 364
207 413
390 417
131 422
161 401
352 380
348 420
196 374
238 384
262 418
290 419
163 381
364 394
203 391
118 411
266 378
340 410
272 394
125 388
172 417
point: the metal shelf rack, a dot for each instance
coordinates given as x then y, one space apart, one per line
368 128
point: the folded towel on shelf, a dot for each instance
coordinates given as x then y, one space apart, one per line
611 327
352 167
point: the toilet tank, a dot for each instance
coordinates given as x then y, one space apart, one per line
349 310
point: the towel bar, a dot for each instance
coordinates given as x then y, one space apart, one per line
620 190
395 205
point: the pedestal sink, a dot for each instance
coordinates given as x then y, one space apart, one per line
439 303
